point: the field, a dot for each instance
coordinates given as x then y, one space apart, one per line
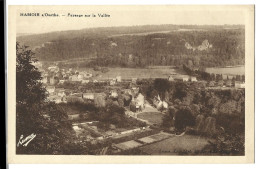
152 117
237 70
129 73
128 145
176 145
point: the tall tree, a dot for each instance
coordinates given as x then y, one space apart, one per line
34 116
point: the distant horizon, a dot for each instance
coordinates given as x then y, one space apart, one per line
26 33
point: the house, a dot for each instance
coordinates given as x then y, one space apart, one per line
73 116
61 81
118 79
80 77
182 78
159 104
89 96
45 79
139 102
50 89
80 95
239 84
135 90
113 94
193 79
134 80
85 81
53 68
60 92
112 82
74 78
56 99
171 78
185 79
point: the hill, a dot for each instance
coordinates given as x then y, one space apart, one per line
140 46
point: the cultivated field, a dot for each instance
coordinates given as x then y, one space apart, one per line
236 70
176 145
129 73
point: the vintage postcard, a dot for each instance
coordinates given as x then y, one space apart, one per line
131 84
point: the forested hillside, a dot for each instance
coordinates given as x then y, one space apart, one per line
142 46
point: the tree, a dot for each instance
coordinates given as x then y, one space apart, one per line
161 85
180 90
28 89
33 114
184 118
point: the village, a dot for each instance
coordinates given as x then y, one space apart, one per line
121 92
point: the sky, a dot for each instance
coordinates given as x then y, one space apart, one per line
124 16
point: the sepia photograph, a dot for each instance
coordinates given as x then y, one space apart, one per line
137 81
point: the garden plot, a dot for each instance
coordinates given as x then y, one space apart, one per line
128 145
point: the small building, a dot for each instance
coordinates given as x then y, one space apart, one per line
50 89
53 68
74 78
55 98
84 81
239 84
61 81
159 104
80 77
113 94
134 80
185 79
139 102
193 79
118 79
60 92
182 78
45 79
112 82
171 78
89 96
135 90
73 116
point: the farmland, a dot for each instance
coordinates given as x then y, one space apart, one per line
151 117
176 145
236 70
129 73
